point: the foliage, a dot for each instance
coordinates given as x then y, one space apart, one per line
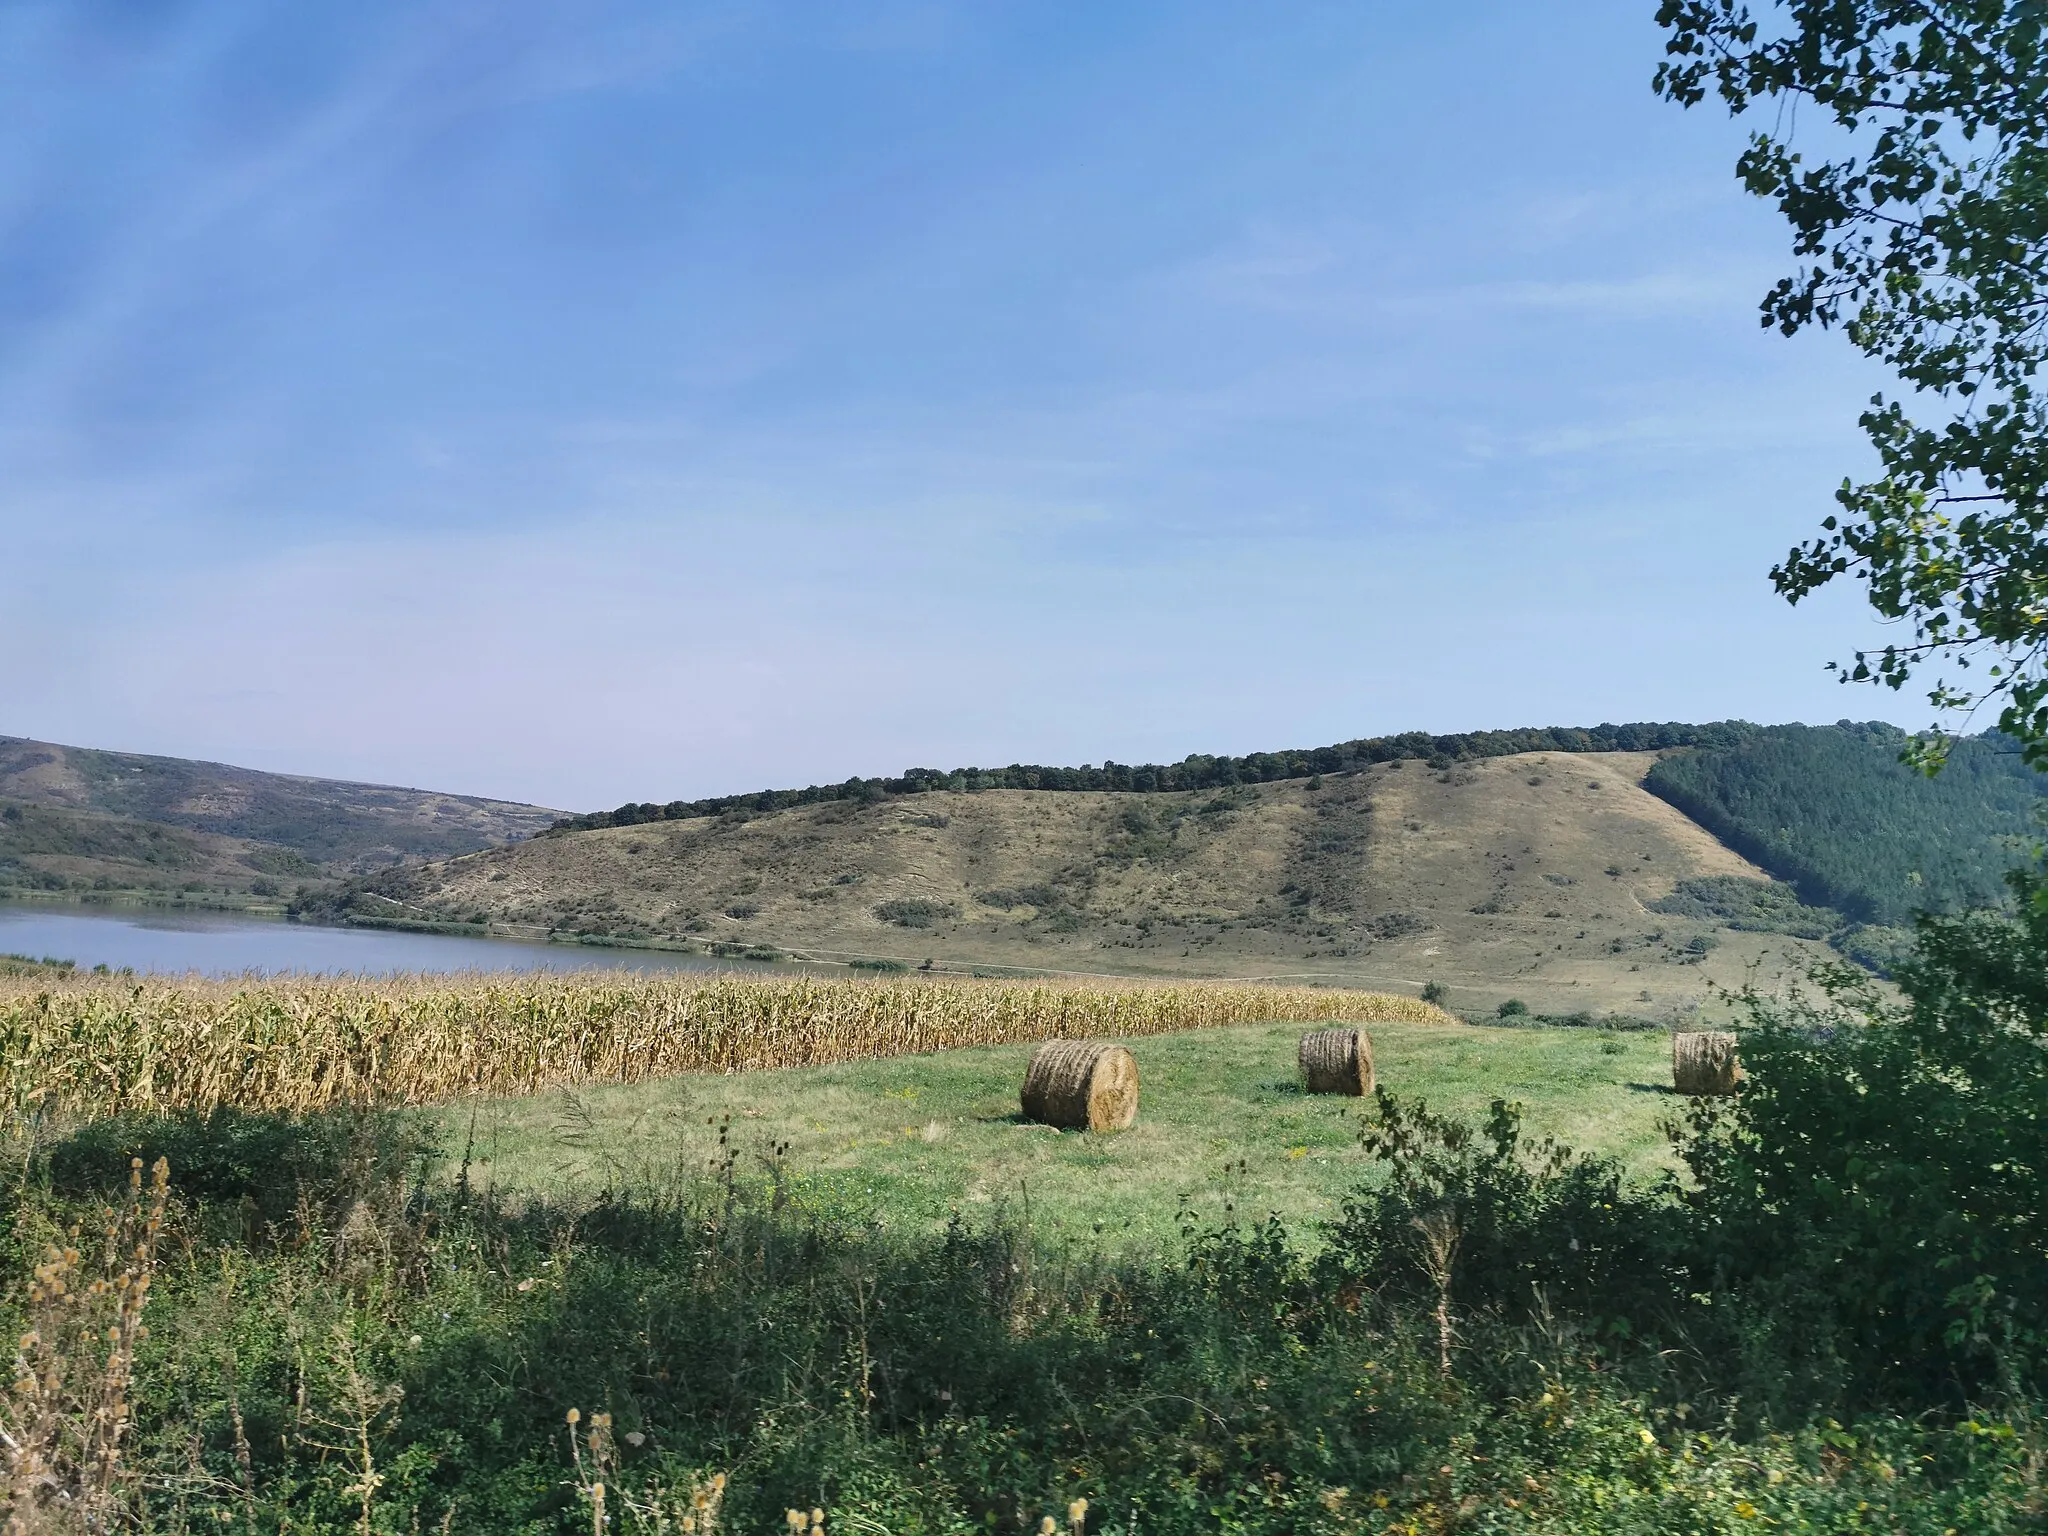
1497 1334
1748 906
1878 1186
1044 897
1923 232
1527 1220
275 1168
1197 771
1878 949
915 912
1832 811
446 1360
68 1410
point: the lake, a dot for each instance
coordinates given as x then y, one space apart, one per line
228 944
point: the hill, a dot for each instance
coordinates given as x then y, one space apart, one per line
51 850
1196 771
75 815
1831 810
1528 875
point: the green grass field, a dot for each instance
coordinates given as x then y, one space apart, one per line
1221 1120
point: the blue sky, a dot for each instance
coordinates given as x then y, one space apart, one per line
598 400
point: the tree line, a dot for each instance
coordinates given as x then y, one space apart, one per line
1195 772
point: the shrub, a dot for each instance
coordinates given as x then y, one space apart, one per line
1877 1183
1513 1008
1532 1225
484 1364
916 912
1748 906
1396 925
1043 897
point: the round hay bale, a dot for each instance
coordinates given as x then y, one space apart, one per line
1703 1062
1082 1085
1337 1061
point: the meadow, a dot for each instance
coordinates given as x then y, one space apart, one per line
920 1138
593 1254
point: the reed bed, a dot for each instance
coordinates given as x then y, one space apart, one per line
107 1045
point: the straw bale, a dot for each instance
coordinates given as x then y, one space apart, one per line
1337 1061
1703 1062
1082 1085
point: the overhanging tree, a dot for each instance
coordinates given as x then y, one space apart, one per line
1922 233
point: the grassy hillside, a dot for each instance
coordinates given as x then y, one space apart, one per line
52 850
1832 810
1528 876
330 822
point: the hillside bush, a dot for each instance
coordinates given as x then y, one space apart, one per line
1748 906
915 912
1044 897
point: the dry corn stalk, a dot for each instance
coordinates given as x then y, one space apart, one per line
104 1045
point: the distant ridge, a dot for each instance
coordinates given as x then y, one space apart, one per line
336 823
1197 771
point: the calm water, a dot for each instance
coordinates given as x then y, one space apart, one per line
219 943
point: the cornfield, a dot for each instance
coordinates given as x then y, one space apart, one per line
106 1045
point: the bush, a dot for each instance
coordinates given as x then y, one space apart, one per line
1396 925
915 912
1513 1008
1880 951
1435 992
1748 906
1878 1183
273 1165
1526 1221
975 1379
1043 897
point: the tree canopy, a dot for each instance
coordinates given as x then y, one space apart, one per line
1921 231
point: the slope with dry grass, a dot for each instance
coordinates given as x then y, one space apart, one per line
1527 876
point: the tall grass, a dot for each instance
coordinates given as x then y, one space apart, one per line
109 1045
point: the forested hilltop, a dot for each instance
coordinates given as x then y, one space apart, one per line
1832 810
1865 841
1196 771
